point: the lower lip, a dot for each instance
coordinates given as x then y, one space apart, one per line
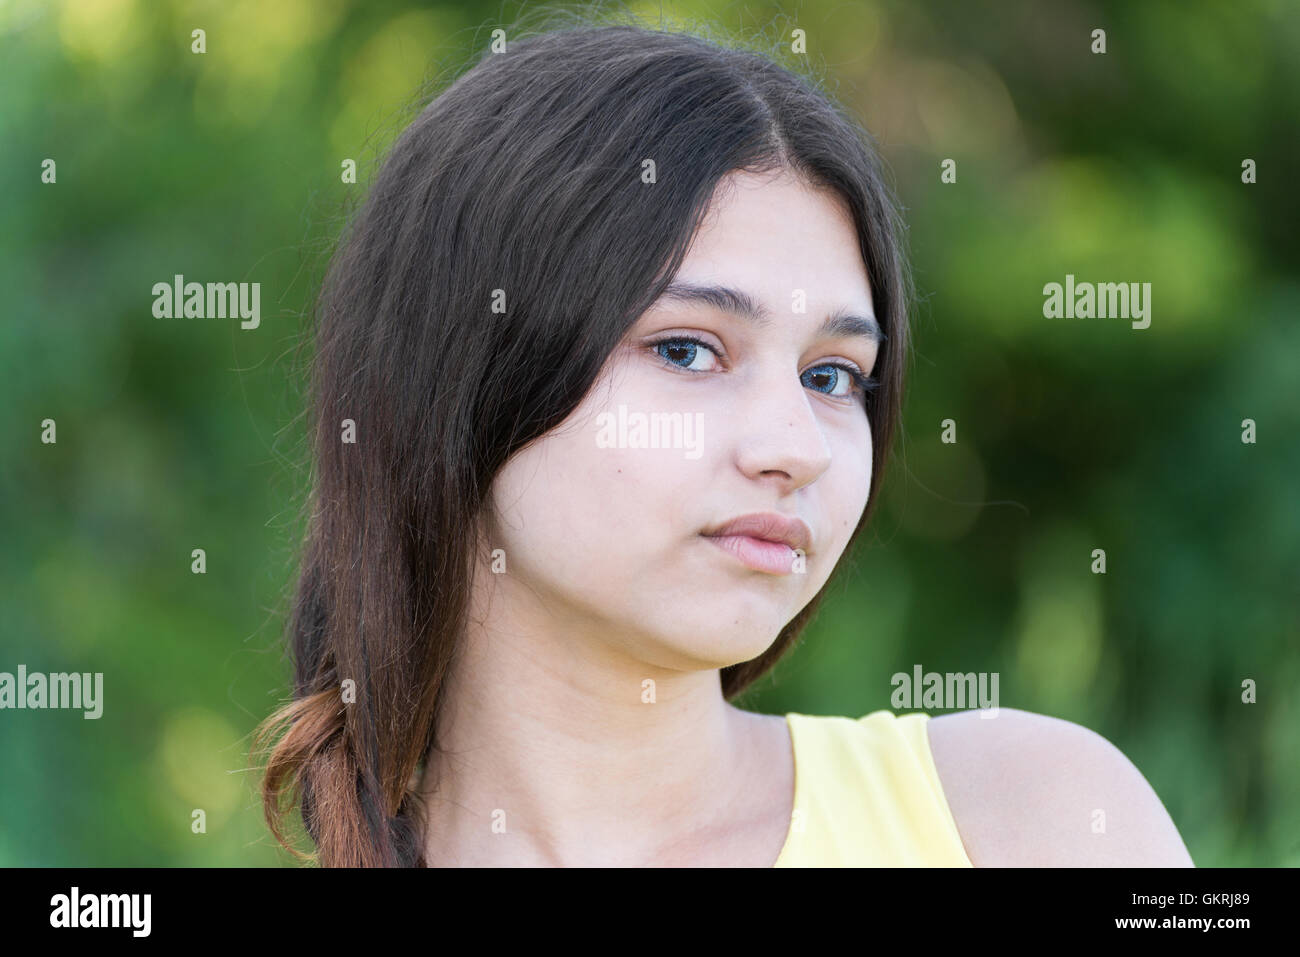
757 553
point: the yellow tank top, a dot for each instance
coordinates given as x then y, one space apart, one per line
866 794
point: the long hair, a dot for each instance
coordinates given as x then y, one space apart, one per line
523 181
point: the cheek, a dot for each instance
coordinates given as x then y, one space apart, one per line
850 487
866 467
569 508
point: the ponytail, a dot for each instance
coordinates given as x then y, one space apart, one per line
313 765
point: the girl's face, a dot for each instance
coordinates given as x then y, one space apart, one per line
603 521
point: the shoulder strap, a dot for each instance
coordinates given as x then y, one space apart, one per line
869 794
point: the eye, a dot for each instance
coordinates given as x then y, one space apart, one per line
683 351
840 380
837 380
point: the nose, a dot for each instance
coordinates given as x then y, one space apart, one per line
780 438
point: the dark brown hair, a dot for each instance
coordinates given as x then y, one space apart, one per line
523 175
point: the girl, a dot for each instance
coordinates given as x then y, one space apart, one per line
607 371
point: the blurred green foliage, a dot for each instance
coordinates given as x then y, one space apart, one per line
1072 435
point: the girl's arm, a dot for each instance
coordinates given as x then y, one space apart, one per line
1028 790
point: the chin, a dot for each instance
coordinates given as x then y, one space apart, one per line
720 646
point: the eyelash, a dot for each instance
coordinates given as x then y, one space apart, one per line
863 385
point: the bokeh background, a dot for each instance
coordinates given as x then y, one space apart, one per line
1072 435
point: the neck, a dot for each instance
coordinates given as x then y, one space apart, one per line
555 748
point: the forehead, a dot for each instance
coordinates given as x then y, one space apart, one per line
776 236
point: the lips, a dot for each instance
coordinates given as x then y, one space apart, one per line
763 541
768 526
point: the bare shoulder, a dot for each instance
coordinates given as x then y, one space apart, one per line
1028 790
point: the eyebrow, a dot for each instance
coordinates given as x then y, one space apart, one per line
840 324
